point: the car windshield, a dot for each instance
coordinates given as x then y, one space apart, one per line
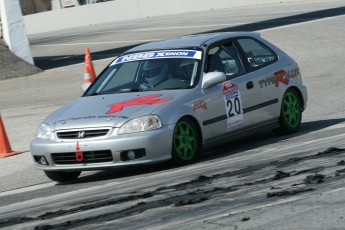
152 70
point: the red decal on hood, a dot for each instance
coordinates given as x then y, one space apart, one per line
146 100
280 77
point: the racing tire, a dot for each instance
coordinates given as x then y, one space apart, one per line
290 113
62 176
185 146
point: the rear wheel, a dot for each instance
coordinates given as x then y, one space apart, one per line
62 176
185 141
291 113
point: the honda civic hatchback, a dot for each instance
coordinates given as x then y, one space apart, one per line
171 99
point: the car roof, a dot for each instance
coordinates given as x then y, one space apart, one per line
190 41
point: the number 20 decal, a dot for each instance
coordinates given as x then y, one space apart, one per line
234 106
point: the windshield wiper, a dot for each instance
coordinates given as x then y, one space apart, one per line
115 91
128 90
93 94
122 91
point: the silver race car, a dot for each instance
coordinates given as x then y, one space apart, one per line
169 100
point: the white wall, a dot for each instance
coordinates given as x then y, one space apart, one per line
127 9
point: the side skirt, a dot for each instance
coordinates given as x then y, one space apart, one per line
270 125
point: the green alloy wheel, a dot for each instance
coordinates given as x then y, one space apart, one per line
185 141
291 113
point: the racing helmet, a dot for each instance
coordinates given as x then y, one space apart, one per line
155 71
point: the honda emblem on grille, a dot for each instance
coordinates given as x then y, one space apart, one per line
81 134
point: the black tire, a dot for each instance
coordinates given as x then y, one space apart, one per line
62 176
290 113
185 144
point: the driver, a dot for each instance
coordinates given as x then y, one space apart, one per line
187 67
154 72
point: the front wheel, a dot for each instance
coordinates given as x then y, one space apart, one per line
291 113
62 176
185 141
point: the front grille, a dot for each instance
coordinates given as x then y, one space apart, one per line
80 134
89 157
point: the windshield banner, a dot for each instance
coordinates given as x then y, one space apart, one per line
159 54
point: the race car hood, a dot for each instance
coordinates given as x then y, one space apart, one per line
108 110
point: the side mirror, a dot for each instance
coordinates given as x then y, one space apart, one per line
85 86
212 78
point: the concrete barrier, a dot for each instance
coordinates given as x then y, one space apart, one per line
0 25
13 29
119 10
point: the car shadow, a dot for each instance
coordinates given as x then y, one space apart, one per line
249 142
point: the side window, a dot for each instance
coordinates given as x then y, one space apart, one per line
214 62
232 64
224 58
258 55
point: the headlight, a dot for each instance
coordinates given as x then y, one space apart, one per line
140 124
44 131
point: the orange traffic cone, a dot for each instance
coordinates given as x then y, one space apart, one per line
5 148
89 71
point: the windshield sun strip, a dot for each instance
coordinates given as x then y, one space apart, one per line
183 53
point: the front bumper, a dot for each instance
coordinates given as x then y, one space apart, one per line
155 146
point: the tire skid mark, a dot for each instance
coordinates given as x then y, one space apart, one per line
201 189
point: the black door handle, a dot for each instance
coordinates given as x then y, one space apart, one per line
250 84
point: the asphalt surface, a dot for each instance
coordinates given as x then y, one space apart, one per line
261 182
